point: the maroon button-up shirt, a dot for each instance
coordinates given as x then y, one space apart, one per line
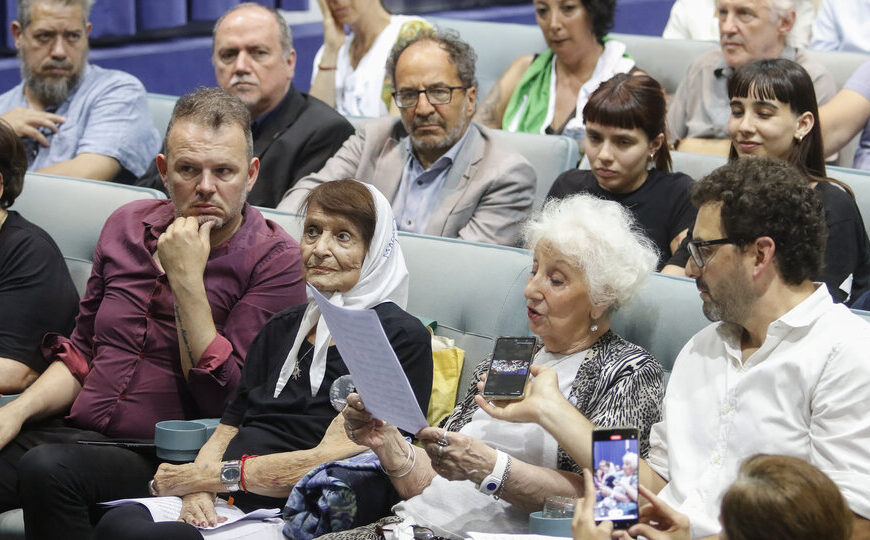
124 349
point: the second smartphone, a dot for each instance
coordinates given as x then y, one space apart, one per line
615 456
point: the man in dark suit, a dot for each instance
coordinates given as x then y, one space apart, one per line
294 133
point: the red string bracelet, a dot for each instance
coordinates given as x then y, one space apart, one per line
242 471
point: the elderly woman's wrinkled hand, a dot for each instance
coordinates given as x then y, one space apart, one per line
179 480
363 428
539 391
197 509
456 456
669 524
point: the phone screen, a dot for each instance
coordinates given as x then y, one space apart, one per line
614 453
509 368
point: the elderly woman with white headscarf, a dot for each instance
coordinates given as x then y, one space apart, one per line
281 422
481 474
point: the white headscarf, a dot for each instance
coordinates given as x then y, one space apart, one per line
384 277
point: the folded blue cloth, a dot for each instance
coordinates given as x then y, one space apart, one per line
338 496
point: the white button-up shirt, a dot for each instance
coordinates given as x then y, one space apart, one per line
805 392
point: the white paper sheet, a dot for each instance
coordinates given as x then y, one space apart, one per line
169 508
376 372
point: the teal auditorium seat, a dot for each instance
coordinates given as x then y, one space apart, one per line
474 292
496 45
73 212
696 165
550 156
661 318
160 106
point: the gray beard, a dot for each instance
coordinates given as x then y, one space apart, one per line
50 91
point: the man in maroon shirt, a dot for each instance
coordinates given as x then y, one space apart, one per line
178 291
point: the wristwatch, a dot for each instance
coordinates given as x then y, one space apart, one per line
231 474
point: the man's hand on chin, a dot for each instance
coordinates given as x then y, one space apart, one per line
184 247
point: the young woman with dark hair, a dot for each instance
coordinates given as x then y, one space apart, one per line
630 162
774 113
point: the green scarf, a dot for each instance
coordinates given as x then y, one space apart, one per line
528 108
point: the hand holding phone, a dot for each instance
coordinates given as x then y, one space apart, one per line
509 368
615 456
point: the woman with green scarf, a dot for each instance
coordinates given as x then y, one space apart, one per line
544 93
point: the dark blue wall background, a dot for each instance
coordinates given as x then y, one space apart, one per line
166 43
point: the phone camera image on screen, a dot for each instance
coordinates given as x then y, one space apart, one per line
616 462
509 368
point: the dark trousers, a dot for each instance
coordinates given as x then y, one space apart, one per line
58 482
133 522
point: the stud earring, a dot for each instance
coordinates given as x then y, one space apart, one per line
594 326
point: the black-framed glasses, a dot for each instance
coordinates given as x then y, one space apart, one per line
700 251
437 95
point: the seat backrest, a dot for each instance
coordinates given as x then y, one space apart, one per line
292 223
160 106
496 45
473 291
661 318
665 60
550 156
73 211
859 181
696 165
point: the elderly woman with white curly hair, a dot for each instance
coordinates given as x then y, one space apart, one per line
589 258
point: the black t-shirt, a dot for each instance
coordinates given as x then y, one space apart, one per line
661 204
847 250
37 294
296 420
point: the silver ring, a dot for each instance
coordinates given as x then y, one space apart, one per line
350 434
151 489
442 441
440 451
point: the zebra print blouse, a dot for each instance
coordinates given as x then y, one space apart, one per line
618 384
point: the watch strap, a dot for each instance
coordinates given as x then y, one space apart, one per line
491 485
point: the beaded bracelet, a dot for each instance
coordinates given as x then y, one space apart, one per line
504 477
412 459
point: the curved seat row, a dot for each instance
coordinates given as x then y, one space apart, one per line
474 291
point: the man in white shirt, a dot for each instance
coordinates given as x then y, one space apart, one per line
841 25
783 371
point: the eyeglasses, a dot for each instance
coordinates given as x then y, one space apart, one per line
437 95
701 255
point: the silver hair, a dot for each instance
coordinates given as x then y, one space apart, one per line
600 238
630 457
779 9
285 36
25 6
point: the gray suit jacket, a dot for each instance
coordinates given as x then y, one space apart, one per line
486 197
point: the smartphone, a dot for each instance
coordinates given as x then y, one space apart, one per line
509 368
615 456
